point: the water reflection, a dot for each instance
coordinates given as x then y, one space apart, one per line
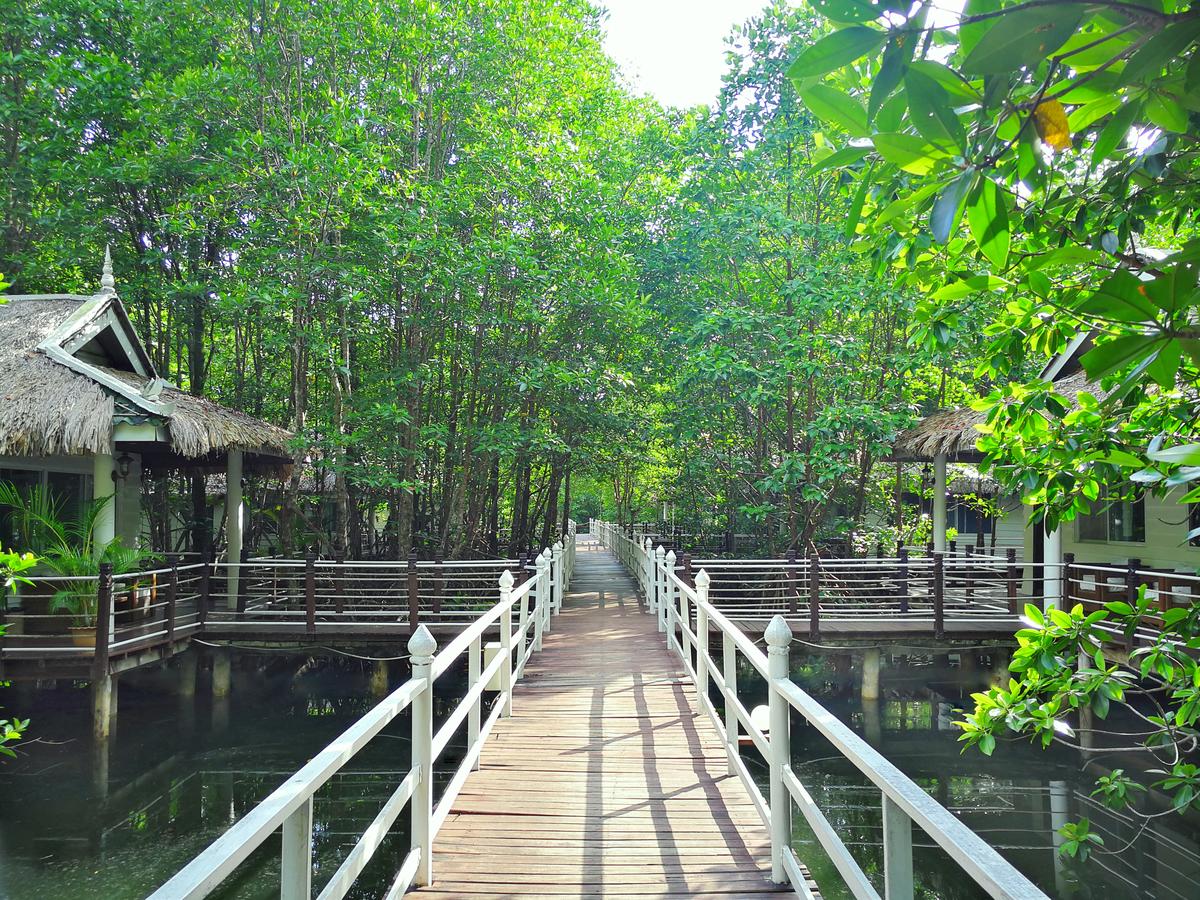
1015 800
116 820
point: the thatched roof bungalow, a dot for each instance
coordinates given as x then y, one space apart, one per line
80 399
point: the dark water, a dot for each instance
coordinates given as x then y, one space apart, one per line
179 773
1016 800
73 824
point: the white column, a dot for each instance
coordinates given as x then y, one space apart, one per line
939 502
506 642
234 521
128 511
779 639
559 585
1052 581
103 487
421 647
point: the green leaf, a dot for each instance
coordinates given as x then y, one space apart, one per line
904 202
931 112
856 206
908 151
964 287
1166 113
1022 39
1114 132
987 216
890 73
1165 365
1116 354
1182 455
851 10
834 106
845 157
1160 50
836 50
1122 296
946 77
1093 111
947 209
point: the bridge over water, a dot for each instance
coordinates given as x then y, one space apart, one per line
608 761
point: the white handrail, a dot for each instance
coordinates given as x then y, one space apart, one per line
674 601
289 807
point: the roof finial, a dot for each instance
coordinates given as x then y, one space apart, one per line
108 284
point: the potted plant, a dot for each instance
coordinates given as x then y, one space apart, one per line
80 598
69 552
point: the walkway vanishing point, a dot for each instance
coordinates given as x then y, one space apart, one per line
597 763
608 780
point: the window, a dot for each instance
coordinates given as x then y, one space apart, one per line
1119 521
68 492
1194 523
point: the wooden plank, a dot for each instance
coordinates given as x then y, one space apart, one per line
607 781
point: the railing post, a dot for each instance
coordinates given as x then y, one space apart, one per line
671 614
729 674
522 633
506 644
1131 587
205 599
793 592
897 852
779 638
558 577
474 672
649 582
421 647
902 580
546 557
172 599
439 581
310 592
243 573
702 583
104 622
1013 579
969 574
541 592
295 860
414 592
814 597
660 586
939 594
339 585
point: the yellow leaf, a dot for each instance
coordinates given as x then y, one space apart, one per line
1051 120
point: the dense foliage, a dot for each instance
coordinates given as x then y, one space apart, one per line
1032 166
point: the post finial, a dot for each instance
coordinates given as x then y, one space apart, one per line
421 646
660 552
506 580
703 580
670 557
542 562
778 635
558 546
108 284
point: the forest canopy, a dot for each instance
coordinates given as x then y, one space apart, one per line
488 286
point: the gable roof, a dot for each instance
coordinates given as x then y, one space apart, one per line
72 367
952 432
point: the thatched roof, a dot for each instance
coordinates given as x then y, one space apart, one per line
952 431
56 399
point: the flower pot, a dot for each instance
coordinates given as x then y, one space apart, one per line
83 635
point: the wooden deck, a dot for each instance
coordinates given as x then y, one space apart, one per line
607 781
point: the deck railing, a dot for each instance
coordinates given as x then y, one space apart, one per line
687 618
532 605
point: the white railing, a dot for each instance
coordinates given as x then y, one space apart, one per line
687 618
290 806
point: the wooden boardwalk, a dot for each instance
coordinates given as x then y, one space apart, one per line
607 781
